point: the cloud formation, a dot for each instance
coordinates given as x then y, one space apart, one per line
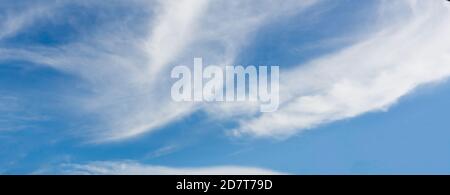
123 62
133 168
408 49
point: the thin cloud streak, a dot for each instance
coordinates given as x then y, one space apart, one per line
134 168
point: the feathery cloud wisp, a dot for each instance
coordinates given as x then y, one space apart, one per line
129 167
121 64
127 96
411 49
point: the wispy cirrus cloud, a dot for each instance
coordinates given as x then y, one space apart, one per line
15 116
15 18
408 49
134 168
121 60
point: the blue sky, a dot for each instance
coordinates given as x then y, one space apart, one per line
85 87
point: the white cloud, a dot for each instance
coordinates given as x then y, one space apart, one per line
12 21
173 29
125 68
410 49
134 168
